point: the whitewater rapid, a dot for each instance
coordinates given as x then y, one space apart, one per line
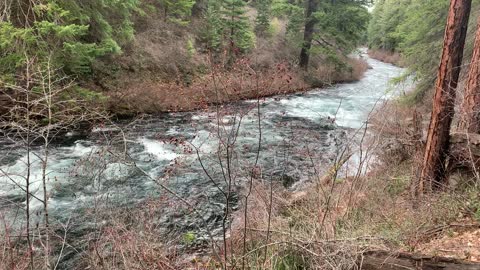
83 172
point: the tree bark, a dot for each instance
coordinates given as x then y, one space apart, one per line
312 6
471 102
433 174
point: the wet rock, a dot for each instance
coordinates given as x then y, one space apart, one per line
287 180
7 201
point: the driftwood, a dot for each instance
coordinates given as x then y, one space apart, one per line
383 260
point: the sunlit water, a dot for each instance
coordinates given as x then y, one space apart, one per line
296 130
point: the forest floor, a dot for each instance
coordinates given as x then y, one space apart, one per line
457 243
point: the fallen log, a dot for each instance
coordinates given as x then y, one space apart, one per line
383 260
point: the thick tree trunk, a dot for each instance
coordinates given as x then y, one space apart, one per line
471 102
433 174
312 6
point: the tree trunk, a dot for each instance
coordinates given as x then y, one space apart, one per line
433 174
312 6
471 102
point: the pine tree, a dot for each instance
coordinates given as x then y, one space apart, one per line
471 101
237 27
333 26
293 11
311 21
262 22
228 27
214 25
69 34
434 173
177 11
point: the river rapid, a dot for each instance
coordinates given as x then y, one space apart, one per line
125 164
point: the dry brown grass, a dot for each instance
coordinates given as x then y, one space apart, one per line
13 253
242 82
400 129
388 57
322 228
328 74
303 226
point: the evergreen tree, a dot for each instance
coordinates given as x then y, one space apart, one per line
262 22
237 27
293 11
68 34
228 27
414 28
214 25
177 11
334 26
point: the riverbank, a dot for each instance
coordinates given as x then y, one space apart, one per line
241 82
393 58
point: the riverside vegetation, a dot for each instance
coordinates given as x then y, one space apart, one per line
231 134
139 55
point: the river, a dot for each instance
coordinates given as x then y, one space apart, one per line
296 129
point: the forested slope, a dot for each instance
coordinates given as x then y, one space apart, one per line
123 51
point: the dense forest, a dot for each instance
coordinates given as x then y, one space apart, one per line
239 134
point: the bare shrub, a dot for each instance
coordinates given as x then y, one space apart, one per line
44 106
326 74
131 240
401 130
387 57
238 84
301 231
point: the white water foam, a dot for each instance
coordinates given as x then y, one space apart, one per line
158 149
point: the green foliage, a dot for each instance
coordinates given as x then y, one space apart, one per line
190 48
422 36
294 12
88 95
237 26
189 238
178 11
291 260
214 25
397 185
386 17
415 28
340 25
68 34
262 22
227 26
472 196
